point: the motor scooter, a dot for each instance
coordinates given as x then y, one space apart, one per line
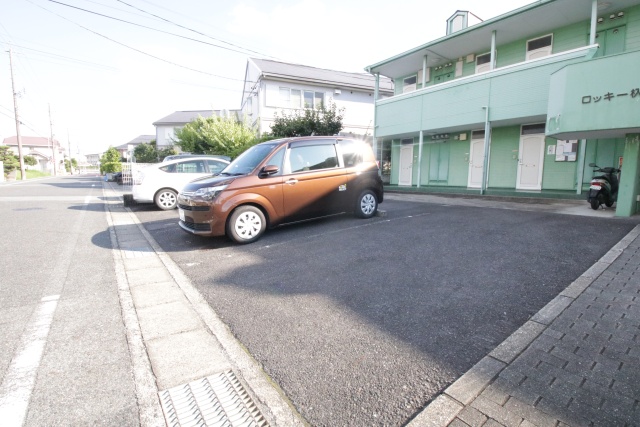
603 188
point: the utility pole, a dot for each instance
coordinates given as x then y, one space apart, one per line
53 145
69 144
23 172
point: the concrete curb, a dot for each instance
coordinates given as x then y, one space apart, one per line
444 408
143 309
150 412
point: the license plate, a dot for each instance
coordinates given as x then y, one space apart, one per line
181 213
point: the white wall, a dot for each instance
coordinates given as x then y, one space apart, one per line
251 108
358 114
164 136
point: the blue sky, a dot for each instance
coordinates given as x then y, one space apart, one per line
103 93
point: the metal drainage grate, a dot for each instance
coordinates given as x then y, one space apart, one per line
217 400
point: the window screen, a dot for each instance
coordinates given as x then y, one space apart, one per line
533 129
539 43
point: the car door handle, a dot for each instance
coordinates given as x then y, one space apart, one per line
292 181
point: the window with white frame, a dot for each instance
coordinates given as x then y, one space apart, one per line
483 63
313 99
290 98
296 98
477 134
285 97
409 84
540 47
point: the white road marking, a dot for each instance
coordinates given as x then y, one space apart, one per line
20 378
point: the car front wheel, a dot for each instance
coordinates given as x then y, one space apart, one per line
246 224
367 204
166 199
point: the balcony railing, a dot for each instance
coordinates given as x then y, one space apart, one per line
513 91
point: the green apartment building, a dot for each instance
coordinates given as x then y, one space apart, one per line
522 103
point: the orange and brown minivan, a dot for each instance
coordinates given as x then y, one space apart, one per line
280 182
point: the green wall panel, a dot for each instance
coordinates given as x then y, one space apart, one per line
633 29
629 189
557 175
455 105
397 116
588 97
571 37
395 162
458 163
503 166
424 167
509 54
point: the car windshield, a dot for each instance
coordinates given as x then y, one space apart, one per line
249 160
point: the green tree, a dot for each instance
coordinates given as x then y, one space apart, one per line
319 121
110 156
149 153
110 161
146 152
9 160
164 152
69 165
29 160
215 135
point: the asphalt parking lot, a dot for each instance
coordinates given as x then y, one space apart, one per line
363 322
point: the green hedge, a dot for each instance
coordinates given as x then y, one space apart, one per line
111 167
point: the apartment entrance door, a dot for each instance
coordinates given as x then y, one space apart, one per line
406 164
530 157
476 159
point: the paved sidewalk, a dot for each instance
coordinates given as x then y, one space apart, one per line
575 363
188 367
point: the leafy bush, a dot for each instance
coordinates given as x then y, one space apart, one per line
111 167
9 160
149 153
30 160
215 135
320 121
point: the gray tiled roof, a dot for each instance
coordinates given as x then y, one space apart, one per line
184 117
137 141
36 141
341 79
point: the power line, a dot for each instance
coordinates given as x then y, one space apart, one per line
149 28
132 48
64 57
194 31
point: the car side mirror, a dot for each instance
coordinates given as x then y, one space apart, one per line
268 171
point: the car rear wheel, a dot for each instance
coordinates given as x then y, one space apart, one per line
246 224
367 204
166 199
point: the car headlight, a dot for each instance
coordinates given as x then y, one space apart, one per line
209 193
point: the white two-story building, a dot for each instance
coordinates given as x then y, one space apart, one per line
277 87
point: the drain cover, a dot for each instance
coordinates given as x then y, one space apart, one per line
217 400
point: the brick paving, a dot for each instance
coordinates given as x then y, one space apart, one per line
575 363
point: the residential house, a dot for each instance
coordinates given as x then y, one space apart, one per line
277 87
167 126
523 102
126 150
41 148
93 159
